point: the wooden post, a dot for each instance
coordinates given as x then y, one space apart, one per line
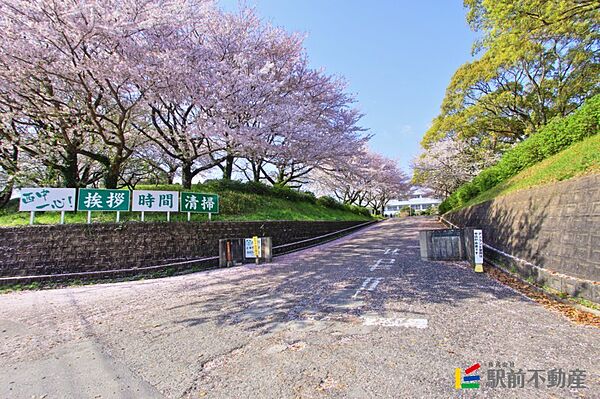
228 256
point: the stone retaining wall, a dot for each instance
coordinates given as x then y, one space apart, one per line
554 228
77 248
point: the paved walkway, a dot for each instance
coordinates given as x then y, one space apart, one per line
360 317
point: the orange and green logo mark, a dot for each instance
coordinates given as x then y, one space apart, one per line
468 381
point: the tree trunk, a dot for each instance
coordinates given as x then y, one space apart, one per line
5 194
255 172
9 164
228 171
186 175
111 176
71 170
280 178
170 177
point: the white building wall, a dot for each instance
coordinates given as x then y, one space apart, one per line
417 203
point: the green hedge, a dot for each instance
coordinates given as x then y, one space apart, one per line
557 135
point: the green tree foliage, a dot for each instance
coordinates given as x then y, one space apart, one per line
537 59
557 135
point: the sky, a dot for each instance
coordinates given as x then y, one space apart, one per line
397 55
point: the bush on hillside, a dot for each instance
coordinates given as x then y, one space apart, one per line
216 185
361 210
330 202
293 195
557 135
239 187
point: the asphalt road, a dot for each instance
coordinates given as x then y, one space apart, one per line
361 317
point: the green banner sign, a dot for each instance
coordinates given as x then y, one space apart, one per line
199 203
103 200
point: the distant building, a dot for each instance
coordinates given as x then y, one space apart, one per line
417 202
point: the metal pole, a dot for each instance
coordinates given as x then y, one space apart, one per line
209 216
62 217
31 217
189 216
118 216
142 216
89 219
168 216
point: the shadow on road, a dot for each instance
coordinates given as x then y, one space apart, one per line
322 282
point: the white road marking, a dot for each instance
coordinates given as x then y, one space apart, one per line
373 281
382 264
390 251
362 287
394 322
365 283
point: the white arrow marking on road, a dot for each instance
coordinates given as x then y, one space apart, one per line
394 322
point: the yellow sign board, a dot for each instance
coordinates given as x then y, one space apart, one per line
256 246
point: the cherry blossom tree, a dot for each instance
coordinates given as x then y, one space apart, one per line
163 169
9 154
76 69
256 81
369 179
449 163
144 90
180 109
323 132
388 181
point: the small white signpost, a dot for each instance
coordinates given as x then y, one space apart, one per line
252 247
478 250
47 199
155 201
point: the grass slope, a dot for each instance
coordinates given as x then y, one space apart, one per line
577 160
236 205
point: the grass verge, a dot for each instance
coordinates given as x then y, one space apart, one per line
238 202
580 159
